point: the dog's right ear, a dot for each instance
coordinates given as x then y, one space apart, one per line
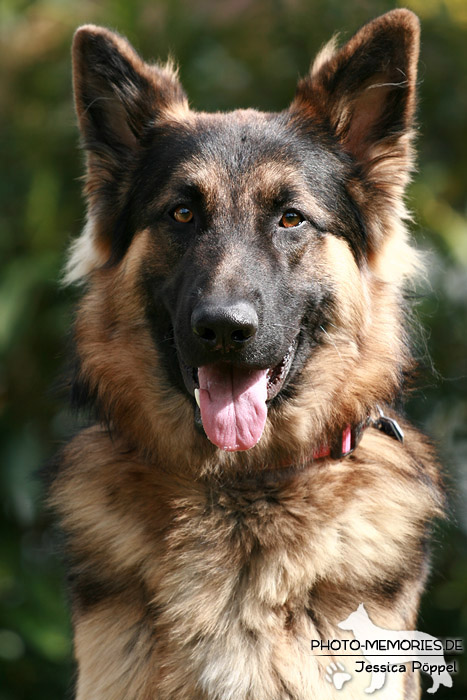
117 95
118 99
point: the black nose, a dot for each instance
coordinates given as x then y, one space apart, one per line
224 326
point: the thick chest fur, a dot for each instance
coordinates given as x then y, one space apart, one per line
195 591
240 613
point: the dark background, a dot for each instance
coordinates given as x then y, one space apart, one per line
235 53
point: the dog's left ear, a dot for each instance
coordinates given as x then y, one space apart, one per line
365 92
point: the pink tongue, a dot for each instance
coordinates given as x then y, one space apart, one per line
233 405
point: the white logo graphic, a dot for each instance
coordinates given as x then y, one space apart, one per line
337 675
383 648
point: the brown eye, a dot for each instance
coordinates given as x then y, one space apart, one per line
183 215
291 218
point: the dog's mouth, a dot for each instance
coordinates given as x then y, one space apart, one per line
232 401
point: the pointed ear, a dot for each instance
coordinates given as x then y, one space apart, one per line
365 92
118 98
117 95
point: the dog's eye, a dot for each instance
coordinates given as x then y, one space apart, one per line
183 215
291 218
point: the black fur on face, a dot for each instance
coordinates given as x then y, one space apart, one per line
238 175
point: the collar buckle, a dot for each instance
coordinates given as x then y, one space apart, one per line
388 426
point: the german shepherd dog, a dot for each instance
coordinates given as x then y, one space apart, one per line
242 339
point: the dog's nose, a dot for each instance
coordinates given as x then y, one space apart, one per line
226 327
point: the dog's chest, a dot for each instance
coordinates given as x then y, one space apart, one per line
235 596
234 600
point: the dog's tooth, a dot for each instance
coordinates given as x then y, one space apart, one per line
197 396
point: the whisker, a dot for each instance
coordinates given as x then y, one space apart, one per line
331 341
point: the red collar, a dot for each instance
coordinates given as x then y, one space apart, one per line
345 445
351 436
347 442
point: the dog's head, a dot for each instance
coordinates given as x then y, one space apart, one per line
357 621
251 263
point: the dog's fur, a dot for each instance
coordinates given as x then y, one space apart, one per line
199 573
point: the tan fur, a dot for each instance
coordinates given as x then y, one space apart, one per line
201 574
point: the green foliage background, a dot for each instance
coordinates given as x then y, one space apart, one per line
232 53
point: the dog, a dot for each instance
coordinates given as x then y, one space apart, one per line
413 646
241 342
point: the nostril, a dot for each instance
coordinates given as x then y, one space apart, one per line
242 334
205 333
